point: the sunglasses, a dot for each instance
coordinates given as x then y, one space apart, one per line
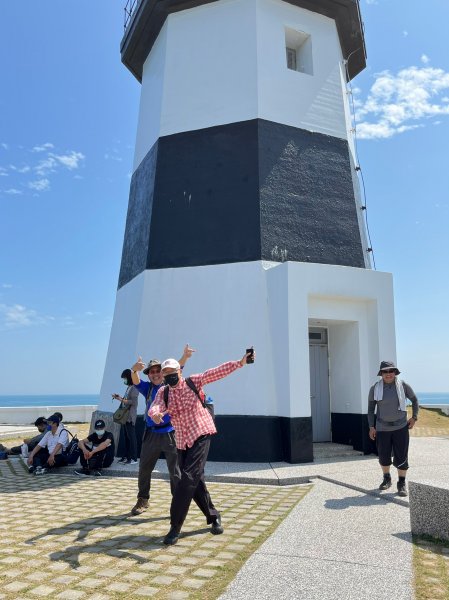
153 371
388 371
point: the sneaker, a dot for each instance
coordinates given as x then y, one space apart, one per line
83 471
132 462
402 489
40 471
31 469
122 460
140 506
97 473
386 483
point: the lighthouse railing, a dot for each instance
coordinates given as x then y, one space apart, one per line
130 8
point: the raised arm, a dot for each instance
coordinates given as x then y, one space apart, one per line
135 370
224 370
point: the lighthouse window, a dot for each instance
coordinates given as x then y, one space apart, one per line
298 47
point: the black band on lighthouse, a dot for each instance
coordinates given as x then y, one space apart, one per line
247 191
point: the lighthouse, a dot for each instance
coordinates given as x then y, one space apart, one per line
245 224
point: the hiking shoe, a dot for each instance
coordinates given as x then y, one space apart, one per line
83 471
216 527
140 506
386 483
172 536
402 489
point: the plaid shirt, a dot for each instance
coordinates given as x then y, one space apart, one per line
188 416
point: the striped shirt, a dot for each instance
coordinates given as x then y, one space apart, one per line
189 417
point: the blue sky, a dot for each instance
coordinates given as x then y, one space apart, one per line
67 128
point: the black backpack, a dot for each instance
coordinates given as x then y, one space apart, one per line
201 398
72 452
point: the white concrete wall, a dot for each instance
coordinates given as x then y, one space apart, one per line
221 310
14 415
225 62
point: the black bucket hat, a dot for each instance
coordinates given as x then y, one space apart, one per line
386 365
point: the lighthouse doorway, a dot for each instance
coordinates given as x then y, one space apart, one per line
319 385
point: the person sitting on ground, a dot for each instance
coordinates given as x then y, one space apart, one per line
48 453
28 443
97 450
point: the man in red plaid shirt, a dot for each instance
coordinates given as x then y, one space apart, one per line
193 425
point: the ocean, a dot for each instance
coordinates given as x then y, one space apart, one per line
50 400
91 399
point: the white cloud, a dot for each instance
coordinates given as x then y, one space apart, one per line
371 1
43 147
401 102
71 160
4 146
405 33
16 315
13 192
24 169
6 286
425 59
40 185
46 166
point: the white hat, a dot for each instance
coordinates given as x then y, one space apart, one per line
170 363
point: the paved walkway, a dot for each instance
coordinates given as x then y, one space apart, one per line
341 541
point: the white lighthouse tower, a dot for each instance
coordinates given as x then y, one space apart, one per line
244 223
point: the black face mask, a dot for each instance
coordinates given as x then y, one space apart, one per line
171 379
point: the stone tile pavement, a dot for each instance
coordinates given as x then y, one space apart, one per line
67 537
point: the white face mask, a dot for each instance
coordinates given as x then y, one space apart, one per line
99 432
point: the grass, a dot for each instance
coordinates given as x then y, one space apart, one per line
80 429
431 568
95 546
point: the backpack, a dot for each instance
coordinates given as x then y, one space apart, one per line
200 394
72 452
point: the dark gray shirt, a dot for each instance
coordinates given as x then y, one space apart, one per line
132 395
389 415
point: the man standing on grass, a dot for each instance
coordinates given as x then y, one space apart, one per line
391 428
194 426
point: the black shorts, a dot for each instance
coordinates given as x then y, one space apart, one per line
393 443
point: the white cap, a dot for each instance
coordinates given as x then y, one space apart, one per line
170 363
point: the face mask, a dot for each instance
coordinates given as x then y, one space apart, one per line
171 379
99 432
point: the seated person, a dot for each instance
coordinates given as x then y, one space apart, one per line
97 450
49 451
28 443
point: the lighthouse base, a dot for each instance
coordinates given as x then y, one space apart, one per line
275 409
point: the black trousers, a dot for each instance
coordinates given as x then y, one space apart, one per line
100 460
152 446
192 485
41 457
393 443
130 441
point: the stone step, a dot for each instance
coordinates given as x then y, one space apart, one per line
331 450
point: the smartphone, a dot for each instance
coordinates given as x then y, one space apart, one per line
250 358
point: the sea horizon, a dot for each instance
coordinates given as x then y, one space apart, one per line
25 400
